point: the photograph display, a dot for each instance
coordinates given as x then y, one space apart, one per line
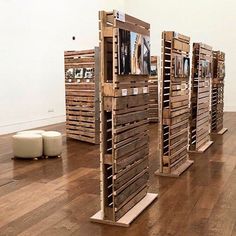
153 69
178 66
134 53
221 70
79 72
69 73
186 66
206 69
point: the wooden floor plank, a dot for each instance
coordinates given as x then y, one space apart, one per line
58 196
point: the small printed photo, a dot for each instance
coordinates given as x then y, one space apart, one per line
89 73
79 73
136 53
153 70
70 73
124 52
178 66
186 65
146 55
204 68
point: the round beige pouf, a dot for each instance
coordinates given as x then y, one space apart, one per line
27 145
52 143
35 131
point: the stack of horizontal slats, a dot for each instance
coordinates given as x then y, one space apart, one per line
200 96
218 91
82 95
174 110
124 122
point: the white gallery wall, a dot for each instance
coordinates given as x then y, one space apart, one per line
208 21
35 34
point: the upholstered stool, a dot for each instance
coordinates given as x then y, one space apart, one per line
52 143
35 131
27 145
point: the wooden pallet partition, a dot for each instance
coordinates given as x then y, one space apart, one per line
124 124
153 89
174 104
200 120
217 105
82 95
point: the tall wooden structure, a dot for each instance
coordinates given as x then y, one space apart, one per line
124 126
153 89
200 120
174 104
218 93
82 95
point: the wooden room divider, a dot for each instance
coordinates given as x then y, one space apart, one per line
174 104
125 58
82 95
200 120
218 93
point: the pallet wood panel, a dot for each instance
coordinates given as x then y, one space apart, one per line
200 119
82 95
174 104
153 89
217 103
124 118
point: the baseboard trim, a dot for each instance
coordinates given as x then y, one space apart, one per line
11 128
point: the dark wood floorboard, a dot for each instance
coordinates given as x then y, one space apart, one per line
57 196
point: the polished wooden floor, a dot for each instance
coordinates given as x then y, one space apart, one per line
57 196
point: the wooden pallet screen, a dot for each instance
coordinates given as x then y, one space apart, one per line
124 120
200 119
218 92
153 89
82 95
174 104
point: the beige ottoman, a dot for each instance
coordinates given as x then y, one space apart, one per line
52 143
35 131
27 145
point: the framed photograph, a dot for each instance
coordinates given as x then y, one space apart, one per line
178 66
124 52
79 73
186 67
136 53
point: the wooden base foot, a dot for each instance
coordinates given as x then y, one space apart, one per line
130 216
222 131
203 148
176 173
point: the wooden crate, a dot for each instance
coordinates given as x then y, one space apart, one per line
153 89
124 127
174 105
82 95
217 104
200 119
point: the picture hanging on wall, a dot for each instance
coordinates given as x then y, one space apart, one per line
186 67
178 66
134 53
79 73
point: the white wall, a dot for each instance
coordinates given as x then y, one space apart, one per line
34 35
208 21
